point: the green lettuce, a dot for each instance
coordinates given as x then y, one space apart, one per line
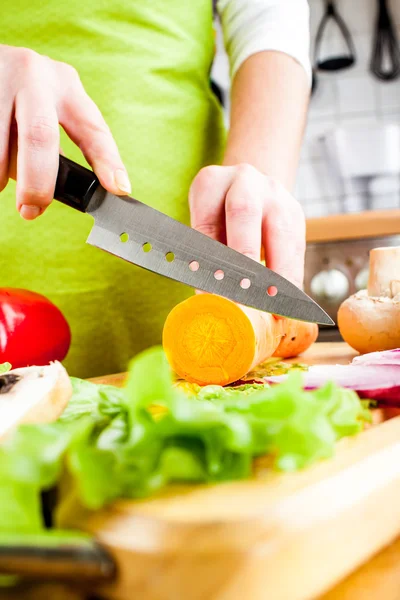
128 443
4 367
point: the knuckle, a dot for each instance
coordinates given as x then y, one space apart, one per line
245 170
27 58
34 196
286 211
101 129
208 229
41 133
95 125
97 142
242 212
68 72
206 178
299 243
248 250
291 231
285 227
243 207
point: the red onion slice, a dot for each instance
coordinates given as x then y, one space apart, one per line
387 357
375 376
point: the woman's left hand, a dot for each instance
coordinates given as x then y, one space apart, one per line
251 212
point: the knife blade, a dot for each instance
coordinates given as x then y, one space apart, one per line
154 241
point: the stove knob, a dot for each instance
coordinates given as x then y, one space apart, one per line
361 280
330 286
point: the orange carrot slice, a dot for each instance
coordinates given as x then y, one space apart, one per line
211 340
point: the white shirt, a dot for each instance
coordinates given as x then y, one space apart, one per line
251 26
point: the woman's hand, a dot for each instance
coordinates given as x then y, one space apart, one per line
252 214
37 94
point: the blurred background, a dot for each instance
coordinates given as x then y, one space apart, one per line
351 152
348 178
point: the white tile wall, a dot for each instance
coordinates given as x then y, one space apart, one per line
348 98
355 96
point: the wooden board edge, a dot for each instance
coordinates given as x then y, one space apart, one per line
351 226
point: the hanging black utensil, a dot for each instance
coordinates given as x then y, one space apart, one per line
314 82
334 63
385 59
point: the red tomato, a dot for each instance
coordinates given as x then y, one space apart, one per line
33 331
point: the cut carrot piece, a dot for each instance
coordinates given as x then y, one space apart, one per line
211 340
298 337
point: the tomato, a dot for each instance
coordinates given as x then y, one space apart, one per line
33 331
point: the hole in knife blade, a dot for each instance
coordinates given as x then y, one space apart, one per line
194 265
147 247
124 237
219 275
272 290
245 283
170 257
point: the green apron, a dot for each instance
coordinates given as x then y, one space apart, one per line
146 64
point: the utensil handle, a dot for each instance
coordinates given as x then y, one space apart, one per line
45 557
75 184
330 8
383 18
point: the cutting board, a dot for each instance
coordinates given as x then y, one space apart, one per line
275 537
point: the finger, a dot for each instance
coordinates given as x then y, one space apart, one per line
85 125
244 212
207 201
283 234
38 144
6 110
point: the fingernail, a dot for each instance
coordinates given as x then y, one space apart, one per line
29 212
122 181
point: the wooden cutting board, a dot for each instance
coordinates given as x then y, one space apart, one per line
275 537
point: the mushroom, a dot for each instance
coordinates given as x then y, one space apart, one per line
369 321
33 395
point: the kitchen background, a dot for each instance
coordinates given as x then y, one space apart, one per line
351 152
350 160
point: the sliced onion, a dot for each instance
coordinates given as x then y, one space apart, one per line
375 376
387 357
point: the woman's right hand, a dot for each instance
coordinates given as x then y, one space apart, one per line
37 95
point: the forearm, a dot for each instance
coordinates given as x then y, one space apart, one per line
269 100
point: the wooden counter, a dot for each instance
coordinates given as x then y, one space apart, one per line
352 226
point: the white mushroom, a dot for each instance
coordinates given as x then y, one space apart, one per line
369 321
33 395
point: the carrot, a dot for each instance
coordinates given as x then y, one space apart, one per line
211 340
298 336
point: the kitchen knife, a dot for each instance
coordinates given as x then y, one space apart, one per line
56 556
146 237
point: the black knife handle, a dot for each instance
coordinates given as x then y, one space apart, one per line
75 184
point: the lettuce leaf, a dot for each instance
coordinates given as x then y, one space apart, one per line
4 367
128 443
